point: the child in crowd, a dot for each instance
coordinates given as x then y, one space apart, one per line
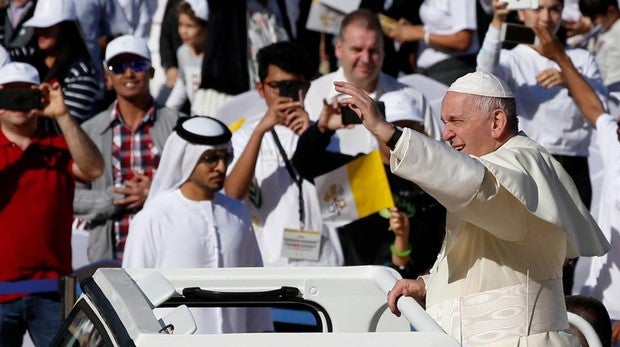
192 16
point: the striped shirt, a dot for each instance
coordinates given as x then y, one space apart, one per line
132 152
81 88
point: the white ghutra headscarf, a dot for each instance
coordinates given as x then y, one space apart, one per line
191 137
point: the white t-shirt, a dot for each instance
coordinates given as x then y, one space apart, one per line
188 82
603 281
548 116
279 200
446 17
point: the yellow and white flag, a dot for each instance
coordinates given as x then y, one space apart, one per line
354 190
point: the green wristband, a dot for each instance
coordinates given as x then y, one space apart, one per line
401 254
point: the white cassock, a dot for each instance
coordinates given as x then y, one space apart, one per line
514 215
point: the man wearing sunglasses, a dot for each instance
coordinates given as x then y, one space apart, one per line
131 135
187 223
282 204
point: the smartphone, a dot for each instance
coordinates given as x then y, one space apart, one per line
517 33
291 89
20 99
350 117
521 4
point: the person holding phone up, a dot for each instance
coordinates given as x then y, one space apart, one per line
547 111
282 204
38 169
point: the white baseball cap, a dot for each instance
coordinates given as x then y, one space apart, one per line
51 12
400 105
200 8
127 44
19 72
483 84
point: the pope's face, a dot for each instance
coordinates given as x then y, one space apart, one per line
467 128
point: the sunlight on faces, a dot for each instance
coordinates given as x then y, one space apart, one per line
548 14
466 127
130 83
360 52
209 174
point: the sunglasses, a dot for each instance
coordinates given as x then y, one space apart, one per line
213 159
136 66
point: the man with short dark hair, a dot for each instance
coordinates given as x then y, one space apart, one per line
38 170
281 202
131 135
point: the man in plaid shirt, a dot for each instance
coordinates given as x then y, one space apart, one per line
131 135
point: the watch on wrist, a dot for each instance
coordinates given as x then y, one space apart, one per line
398 132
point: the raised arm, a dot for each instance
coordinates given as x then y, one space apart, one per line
239 179
87 160
581 91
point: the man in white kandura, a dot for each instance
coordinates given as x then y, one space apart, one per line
187 223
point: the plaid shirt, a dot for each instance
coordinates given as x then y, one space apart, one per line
132 152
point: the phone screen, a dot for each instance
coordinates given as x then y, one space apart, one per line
516 33
292 88
350 117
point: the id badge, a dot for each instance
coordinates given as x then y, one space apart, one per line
301 244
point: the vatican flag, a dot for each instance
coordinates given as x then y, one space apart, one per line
354 191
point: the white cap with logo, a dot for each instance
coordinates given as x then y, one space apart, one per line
127 44
483 84
400 105
19 72
51 12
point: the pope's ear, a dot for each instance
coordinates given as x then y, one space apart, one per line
499 121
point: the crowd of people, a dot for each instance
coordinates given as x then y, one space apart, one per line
491 195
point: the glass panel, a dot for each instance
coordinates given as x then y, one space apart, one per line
81 332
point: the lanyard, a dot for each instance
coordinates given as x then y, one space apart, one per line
294 175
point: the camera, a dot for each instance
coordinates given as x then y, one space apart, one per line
291 89
20 99
350 117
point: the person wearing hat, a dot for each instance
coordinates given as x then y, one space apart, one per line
514 216
131 134
411 238
187 223
603 279
62 56
548 113
38 170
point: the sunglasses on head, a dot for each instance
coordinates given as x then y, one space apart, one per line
212 159
135 65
